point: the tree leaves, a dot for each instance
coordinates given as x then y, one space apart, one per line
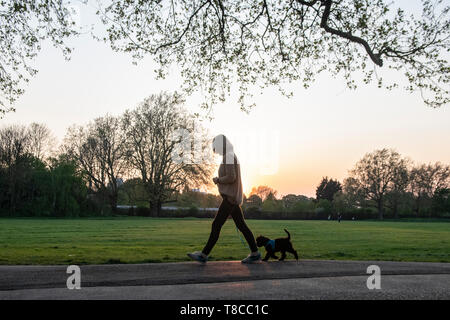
24 25
220 43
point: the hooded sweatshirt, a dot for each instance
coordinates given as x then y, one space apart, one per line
229 182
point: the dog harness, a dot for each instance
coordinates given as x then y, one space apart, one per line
270 243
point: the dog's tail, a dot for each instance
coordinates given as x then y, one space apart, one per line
289 235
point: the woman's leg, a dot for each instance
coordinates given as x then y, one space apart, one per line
238 218
219 220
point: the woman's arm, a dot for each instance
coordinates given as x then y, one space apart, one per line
230 174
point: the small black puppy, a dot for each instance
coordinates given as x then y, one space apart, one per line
281 244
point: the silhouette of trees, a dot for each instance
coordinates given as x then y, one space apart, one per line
133 159
386 180
14 159
263 192
67 191
196 199
132 192
441 200
271 203
152 141
32 185
426 181
400 182
140 147
289 200
376 174
42 142
327 189
253 201
99 150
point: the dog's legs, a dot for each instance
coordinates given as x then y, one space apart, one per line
283 255
295 254
291 250
267 256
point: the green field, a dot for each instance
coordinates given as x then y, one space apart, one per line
140 240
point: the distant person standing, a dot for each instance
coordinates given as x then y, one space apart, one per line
230 188
339 218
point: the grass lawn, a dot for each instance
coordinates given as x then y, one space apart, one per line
140 240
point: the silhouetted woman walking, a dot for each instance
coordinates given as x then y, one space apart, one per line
230 188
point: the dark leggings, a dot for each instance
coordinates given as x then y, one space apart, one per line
226 208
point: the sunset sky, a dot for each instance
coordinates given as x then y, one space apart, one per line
287 144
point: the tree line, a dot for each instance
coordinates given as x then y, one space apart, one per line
128 160
382 182
386 180
97 162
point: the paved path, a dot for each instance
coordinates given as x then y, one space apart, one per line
307 279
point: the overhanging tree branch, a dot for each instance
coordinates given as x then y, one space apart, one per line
376 58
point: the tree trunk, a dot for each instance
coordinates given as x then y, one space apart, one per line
417 209
395 212
380 210
159 205
12 201
153 209
395 209
113 202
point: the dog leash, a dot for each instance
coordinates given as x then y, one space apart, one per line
239 235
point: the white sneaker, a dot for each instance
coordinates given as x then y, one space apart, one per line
198 256
252 258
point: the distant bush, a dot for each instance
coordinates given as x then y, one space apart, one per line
272 204
193 210
303 206
253 210
324 206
